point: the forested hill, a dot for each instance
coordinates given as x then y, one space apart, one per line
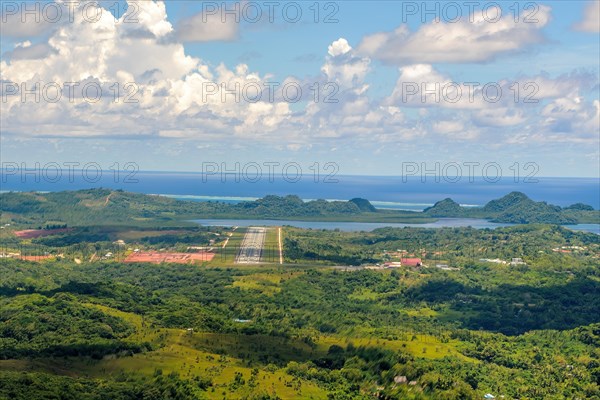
103 206
109 207
517 208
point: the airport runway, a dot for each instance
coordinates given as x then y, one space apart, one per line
252 246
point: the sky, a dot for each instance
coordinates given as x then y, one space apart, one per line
363 87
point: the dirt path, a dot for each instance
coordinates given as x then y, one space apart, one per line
107 199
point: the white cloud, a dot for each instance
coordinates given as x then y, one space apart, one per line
591 18
472 39
151 15
344 66
573 115
537 106
504 116
446 127
27 51
421 85
339 47
17 25
175 103
171 87
203 27
546 87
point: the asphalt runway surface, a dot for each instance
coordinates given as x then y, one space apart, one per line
252 246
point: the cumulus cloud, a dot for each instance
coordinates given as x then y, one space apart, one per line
503 116
572 114
591 18
344 66
180 97
339 47
206 27
457 128
17 25
537 105
169 90
473 39
448 127
27 51
421 85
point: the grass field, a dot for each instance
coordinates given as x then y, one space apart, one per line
265 283
225 256
271 248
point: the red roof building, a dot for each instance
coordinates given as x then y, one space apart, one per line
411 262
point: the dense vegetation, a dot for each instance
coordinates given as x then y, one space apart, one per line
106 207
457 246
84 325
517 208
35 326
523 331
25 386
101 207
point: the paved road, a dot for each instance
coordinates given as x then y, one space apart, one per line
252 246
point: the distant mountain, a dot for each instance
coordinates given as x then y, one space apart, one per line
579 207
363 204
516 208
293 206
446 208
511 200
116 207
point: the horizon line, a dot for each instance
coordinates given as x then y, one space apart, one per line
348 175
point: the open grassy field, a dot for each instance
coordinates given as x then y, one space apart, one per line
271 248
225 256
265 283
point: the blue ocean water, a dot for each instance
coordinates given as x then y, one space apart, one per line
384 191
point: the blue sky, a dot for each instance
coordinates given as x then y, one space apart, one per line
371 53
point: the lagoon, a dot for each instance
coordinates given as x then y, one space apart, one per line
352 226
369 226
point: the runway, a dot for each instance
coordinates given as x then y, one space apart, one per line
252 246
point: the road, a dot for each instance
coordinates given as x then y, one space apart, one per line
252 246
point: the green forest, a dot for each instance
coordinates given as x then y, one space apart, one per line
116 207
512 312
138 329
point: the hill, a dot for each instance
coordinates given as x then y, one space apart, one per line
363 204
517 208
446 208
116 207
103 206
